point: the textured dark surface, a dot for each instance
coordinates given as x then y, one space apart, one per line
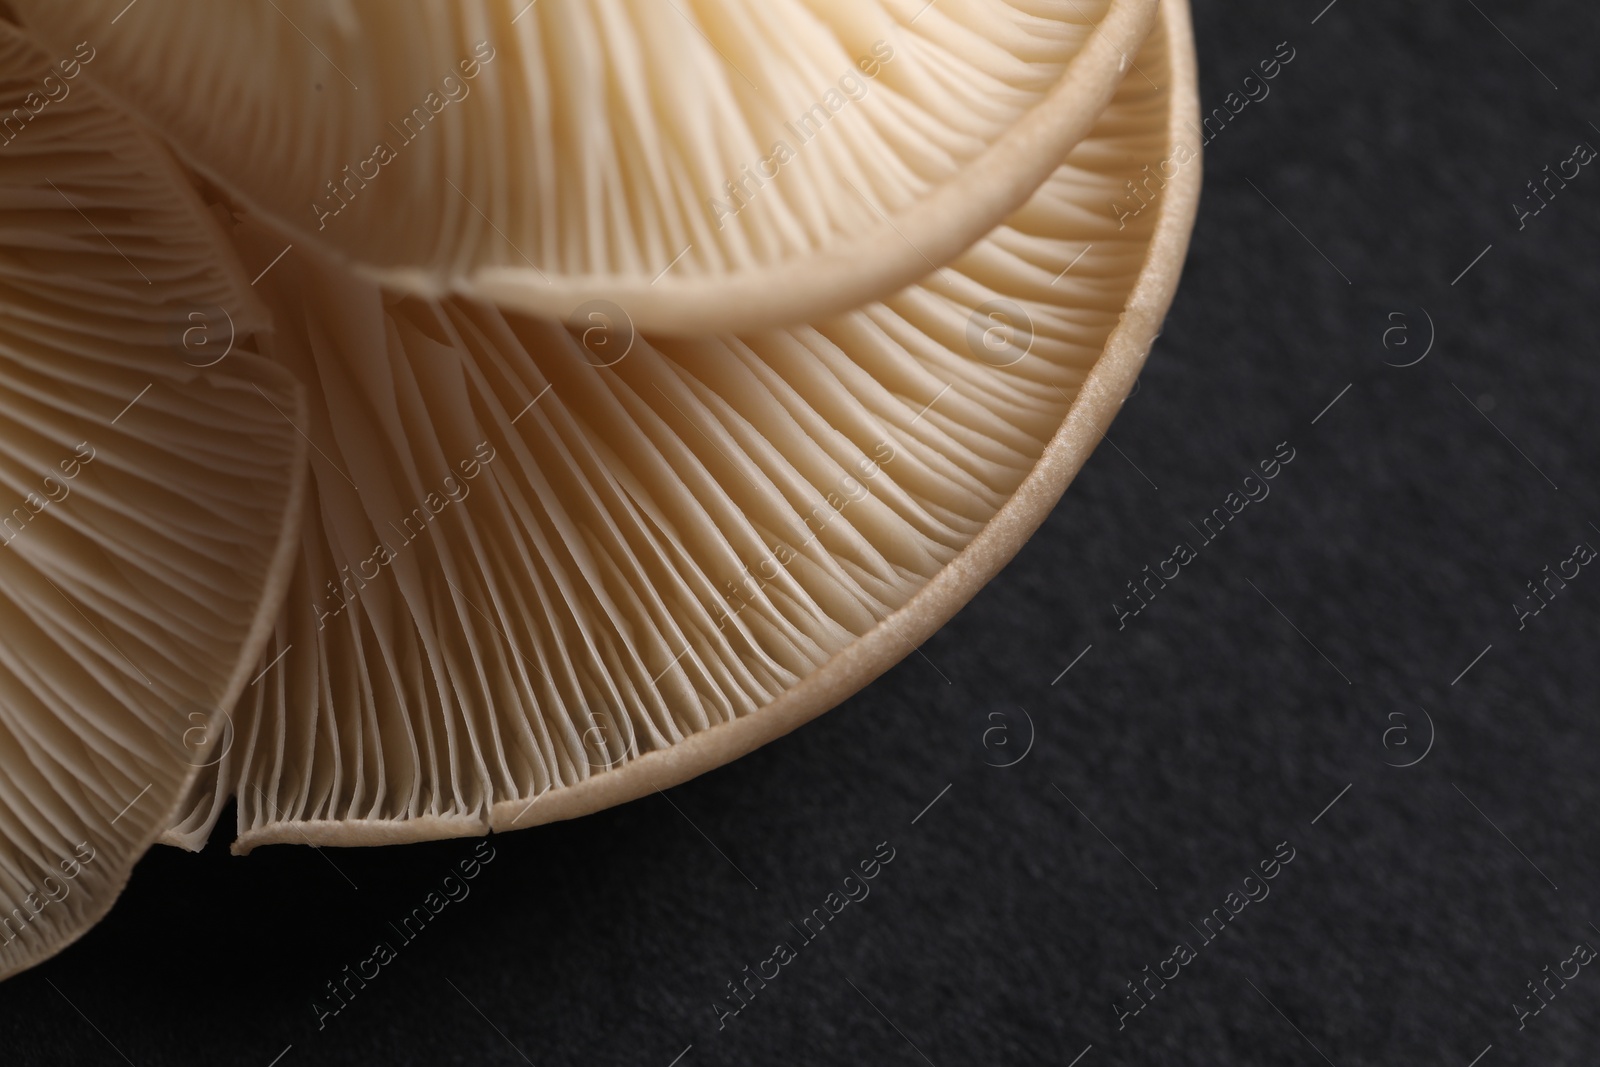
1196 739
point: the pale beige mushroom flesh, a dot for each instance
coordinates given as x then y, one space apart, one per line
709 165
547 569
582 446
150 484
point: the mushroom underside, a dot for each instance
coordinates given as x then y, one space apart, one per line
546 568
149 494
710 165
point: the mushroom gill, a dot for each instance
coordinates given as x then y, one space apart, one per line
545 569
150 483
711 166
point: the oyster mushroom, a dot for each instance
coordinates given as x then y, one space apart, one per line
546 570
709 165
150 484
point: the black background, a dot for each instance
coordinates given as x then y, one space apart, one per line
1251 693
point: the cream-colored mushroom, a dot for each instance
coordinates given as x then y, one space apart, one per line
149 491
709 165
549 569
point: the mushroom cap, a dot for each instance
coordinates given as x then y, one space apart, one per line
709 165
584 563
150 483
